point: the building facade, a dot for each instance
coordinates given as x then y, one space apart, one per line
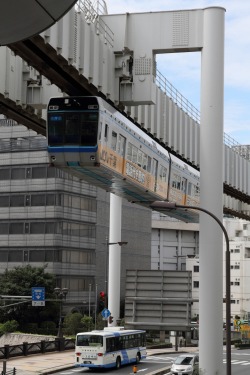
175 246
51 218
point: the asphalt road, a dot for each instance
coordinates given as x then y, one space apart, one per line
240 365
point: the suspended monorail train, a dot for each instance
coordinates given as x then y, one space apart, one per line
90 139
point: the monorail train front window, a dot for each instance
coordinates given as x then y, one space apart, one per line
72 122
55 129
89 128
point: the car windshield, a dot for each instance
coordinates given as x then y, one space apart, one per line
183 360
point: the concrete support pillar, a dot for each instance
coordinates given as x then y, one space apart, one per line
114 279
211 180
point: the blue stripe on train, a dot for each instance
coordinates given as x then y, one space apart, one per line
52 149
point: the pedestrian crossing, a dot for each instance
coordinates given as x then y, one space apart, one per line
237 362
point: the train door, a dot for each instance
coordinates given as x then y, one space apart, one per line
155 172
121 151
184 189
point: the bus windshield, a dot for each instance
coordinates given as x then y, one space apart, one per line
89 340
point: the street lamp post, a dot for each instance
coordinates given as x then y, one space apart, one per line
174 206
61 295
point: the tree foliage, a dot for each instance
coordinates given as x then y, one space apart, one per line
19 282
72 323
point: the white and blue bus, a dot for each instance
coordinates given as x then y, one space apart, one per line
111 347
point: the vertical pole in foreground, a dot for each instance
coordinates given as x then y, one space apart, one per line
114 279
211 180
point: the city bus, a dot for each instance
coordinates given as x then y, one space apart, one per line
111 347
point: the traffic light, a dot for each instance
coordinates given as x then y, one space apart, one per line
111 319
102 300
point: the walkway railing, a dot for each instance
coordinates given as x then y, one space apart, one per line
92 10
176 96
41 347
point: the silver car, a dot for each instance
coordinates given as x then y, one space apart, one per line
185 364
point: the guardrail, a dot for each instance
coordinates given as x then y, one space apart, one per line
7 372
41 347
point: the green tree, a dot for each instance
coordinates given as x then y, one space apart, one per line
87 323
19 282
72 323
9 326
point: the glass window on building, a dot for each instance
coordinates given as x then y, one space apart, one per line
4 201
15 256
16 228
50 199
49 227
75 202
51 172
37 228
17 201
39 172
38 200
37 256
4 228
5 174
196 284
18 173
4 256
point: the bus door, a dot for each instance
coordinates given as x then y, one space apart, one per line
155 172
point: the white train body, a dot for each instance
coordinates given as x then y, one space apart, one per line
90 139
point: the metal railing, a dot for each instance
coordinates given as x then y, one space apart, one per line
8 372
41 347
92 10
176 96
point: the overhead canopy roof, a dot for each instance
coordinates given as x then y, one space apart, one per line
24 18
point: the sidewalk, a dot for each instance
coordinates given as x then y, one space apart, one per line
52 362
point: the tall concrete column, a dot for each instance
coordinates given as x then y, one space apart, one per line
114 279
211 180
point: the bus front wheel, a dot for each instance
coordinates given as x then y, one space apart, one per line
118 362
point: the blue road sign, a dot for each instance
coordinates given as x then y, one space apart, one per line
38 296
105 313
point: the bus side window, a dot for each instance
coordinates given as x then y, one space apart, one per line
106 132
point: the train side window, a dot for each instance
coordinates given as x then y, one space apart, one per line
139 158
134 154
176 182
197 191
114 140
106 132
121 145
163 174
149 164
184 185
129 152
144 161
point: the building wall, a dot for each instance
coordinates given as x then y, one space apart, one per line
48 217
175 247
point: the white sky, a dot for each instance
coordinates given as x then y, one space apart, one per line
183 70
